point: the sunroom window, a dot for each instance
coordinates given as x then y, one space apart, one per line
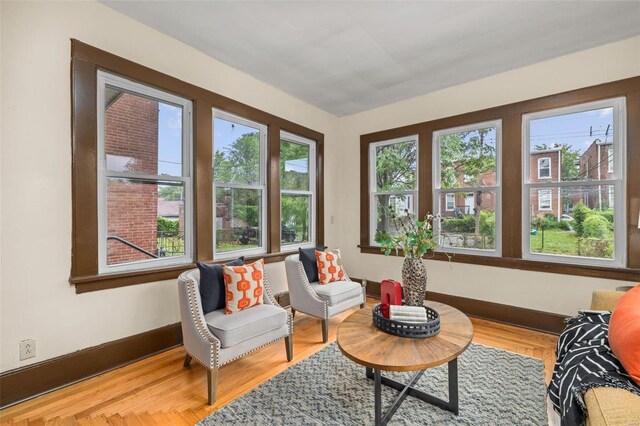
576 214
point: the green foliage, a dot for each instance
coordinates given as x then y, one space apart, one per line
298 177
468 154
239 163
168 227
170 192
593 247
396 167
595 226
488 224
414 238
466 225
564 225
580 213
295 215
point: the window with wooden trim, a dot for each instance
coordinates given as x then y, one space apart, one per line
393 192
576 215
144 177
466 164
139 212
239 186
297 191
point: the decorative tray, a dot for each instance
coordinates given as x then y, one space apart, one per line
405 329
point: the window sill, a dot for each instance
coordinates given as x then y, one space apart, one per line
89 283
623 274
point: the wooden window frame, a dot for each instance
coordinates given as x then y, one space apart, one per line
311 192
373 190
86 60
496 188
512 179
260 186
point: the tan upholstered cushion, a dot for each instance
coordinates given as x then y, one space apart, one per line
611 406
605 300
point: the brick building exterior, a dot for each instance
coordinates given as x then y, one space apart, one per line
131 145
456 204
597 163
545 166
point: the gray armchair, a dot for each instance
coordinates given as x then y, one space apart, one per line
216 339
321 301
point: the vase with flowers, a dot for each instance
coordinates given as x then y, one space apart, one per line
414 238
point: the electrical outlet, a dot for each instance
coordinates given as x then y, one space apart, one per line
27 349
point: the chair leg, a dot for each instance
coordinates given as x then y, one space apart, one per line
293 313
212 384
288 343
187 361
325 330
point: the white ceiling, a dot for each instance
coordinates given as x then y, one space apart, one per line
346 57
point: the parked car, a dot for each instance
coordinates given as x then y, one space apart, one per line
566 217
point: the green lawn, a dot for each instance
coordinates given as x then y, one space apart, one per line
557 241
222 247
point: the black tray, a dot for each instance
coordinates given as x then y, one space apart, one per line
404 329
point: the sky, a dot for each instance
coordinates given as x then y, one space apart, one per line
573 129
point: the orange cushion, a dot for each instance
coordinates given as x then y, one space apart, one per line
624 332
329 266
244 286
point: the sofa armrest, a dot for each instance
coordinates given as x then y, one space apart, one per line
605 300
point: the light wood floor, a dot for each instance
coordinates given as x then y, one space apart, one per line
159 391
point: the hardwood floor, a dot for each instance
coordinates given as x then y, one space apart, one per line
159 391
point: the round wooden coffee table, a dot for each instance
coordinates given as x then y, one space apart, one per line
360 341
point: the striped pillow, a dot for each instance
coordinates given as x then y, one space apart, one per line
244 286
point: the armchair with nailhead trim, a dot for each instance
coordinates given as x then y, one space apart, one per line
321 301
216 339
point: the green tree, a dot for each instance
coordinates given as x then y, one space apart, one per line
295 157
467 157
395 171
240 162
580 214
170 192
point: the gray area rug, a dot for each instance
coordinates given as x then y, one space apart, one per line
495 388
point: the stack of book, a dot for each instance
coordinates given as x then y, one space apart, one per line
410 314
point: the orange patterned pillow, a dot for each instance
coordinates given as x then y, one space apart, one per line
329 266
244 286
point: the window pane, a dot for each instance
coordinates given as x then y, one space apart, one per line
238 213
402 205
145 220
468 159
294 166
472 223
296 219
572 221
396 166
236 157
576 146
141 135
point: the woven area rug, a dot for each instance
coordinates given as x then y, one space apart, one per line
495 388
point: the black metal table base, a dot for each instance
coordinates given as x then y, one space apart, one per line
408 390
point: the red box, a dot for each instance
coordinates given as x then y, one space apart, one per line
390 294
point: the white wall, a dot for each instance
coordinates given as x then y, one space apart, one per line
36 299
535 290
